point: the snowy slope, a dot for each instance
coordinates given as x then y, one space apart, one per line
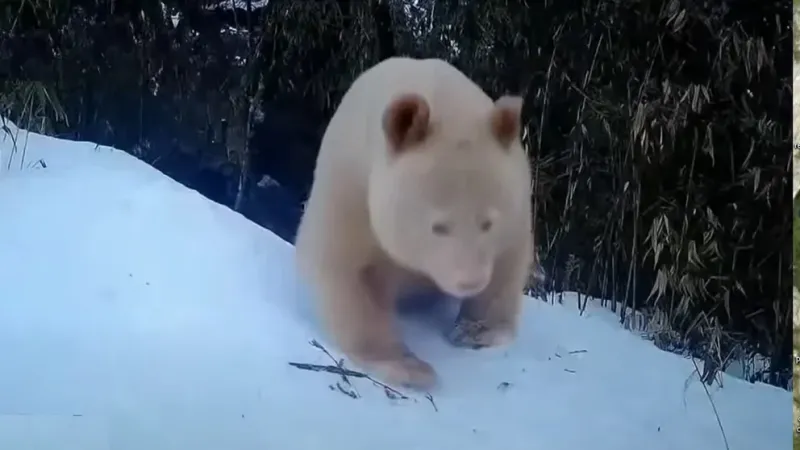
135 314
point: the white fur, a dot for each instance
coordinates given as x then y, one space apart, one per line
377 196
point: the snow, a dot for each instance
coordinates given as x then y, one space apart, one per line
231 4
135 314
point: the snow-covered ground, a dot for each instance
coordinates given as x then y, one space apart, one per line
135 314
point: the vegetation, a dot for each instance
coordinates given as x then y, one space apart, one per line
657 130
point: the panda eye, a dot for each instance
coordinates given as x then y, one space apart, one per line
440 229
486 225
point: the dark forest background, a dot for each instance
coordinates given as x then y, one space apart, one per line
659 131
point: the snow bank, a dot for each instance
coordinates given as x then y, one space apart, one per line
135 314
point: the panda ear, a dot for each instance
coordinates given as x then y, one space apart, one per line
406 122
506 119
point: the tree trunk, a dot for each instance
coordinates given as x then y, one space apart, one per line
385 29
